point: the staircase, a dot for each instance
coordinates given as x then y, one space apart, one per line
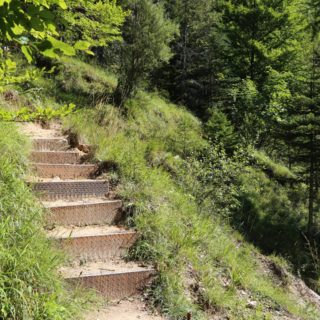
83 221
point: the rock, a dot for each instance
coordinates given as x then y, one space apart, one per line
252 304
84 148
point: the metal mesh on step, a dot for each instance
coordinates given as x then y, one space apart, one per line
86 214
116 286
98 248
55 157
64 171
50 144
71 189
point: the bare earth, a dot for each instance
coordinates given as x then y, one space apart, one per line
36 131
124 310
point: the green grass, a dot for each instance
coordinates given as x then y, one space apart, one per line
30 287
203 264
76 82
277 170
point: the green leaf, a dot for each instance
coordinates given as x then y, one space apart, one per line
61 3
62 46
27 53
18 29
82 45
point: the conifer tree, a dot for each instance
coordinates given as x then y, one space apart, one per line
147 34
190 77
302 124
260 34
261 44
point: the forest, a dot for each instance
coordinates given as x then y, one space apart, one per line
208 115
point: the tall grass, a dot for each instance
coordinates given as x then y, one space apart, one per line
30 287
203 265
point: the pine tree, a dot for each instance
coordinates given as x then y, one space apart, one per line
146 34
261 45
302 124
260 34
190 77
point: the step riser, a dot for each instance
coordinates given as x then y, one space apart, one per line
70 190
64 171
50 144
55 157
83 215
97 248
116 286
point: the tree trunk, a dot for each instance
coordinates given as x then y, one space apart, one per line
312 167
311 196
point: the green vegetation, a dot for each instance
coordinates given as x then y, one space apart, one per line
96 23
39 114
226 173
147 34
30 287
202 263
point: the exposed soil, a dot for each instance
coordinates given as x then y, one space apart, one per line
35 130
101 267
73 232
124 310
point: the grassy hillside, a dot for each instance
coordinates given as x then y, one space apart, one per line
204 267
180 194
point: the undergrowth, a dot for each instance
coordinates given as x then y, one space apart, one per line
30 287
204 266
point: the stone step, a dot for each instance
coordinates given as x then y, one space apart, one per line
114 280
50 144
84 212
64 171
71 189
55 157
93 243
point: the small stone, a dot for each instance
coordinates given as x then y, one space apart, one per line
252 304
84 148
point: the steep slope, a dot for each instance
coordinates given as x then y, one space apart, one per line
81 222
205 268
155 154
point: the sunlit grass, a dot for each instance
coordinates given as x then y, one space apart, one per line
150 146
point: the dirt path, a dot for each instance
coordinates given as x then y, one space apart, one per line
34 130
125 310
